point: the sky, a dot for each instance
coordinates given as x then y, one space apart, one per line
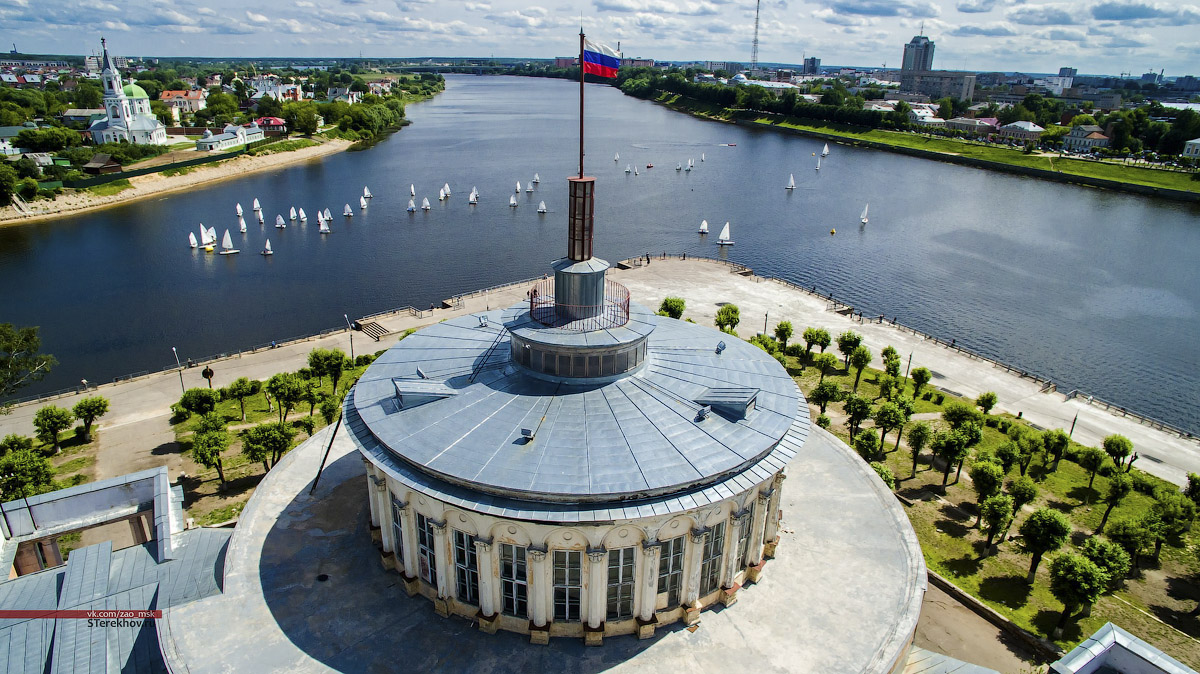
1095 36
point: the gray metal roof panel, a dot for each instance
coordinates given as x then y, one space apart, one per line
87 574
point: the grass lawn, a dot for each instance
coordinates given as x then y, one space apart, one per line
283 146
109 189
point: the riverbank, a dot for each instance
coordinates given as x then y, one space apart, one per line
157 184
1175 185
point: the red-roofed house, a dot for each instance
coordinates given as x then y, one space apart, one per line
271 124
186 101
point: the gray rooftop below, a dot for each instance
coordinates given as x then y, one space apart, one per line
638 437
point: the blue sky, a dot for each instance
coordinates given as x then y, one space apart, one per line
1095 36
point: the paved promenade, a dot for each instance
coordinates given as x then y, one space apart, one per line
704 285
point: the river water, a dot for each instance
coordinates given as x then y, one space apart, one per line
1095 290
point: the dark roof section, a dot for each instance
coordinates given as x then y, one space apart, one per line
100 160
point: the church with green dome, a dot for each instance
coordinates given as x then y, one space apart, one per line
129 117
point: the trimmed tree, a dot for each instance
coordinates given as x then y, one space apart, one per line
857 408
1008 454
88 410
330 408
1077 582
200 401
783 332
813 337
1044 531
920 378
1022 490
1110 557
240 389
847 342
986 479
672 306
860 358
958 414
884 474
1118 488
15 443
1174 512
1118 448
727 318
888 416
266 443
997 515
824 363
1091 459
866 443
825 393
1056 441
207 448
287 389
949 447
1133 535
24 473
919 435
986 401
50 421
1029 445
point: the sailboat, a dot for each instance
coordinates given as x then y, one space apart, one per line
701 156
537 178
260 216
279 223
412 207
627 168
257 207
241 224
303 216
512 201
362 202
475 191
635 171
348 212
723 238
367 193
328 215
529 187
473 199
825 151
541 207
324 228
292 215
441 195
192 240
704 227
617 157
227 245
446 189
818 163
518 186
791 182
204 235
238 208
412 190
212 235
678 166
863 218
267 249
425 204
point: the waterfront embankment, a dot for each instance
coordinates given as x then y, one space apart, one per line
158 184
704 285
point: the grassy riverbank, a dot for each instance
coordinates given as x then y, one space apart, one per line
1000 156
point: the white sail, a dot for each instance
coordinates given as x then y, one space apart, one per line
260 216
475 191
529 187
292 214
825 152
701 156
723 238
441 195
227 245
791 182
537 178
303 215
192 240
425 204
204 235
241 224
257 207
238 208
473 199
412 207
704 226
212 234
818 163
324 229
678 166
617 157
347 211
279 222
518 185
635 171
863 217
541 207
446 189
512 201
362 202
627 168
328 215
267 248
412 190
367 192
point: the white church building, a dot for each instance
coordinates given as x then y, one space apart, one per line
128 106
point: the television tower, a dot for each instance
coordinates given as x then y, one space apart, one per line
754 45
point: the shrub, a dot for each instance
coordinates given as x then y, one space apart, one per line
884 474
927 396
823 421
1143 483
940 399
672 306
365 359
991 422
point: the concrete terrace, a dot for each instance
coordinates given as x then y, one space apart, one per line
140 407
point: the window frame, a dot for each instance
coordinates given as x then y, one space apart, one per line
466 568
621 589
567 584
710 559
514 584
670 569
426 550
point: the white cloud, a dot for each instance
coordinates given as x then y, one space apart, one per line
256 18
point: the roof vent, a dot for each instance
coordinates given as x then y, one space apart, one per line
527 433
483 321
703 413
736 402
720 347
412 393
421 373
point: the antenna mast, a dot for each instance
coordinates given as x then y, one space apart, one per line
754 45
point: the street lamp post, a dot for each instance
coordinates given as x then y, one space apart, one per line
351 329
180 366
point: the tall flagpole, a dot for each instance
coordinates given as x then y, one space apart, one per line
581 101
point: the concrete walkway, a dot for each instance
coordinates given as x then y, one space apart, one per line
703 284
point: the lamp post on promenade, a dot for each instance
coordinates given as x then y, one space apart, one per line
180 366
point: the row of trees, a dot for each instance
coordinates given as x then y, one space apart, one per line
26 470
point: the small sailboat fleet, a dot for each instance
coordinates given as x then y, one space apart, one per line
512 201
279 223
791 182
362 202
348 212
192 240
441 195
518 187
541 207
238 208
723 238
446 189
303 216
258 213
367 193
328 215
267 249
208 237
227 245
324 228
690 165
412 206
863 218
241 224
425 204
703 227
536 179
825 150
292 215
257 207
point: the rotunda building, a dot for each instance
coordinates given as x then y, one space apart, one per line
575 465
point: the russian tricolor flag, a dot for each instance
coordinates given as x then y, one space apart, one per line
600 59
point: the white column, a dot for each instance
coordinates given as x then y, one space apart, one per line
537 585
772 524
755 552
383 505
648 589
597 590
371 493
731 563
691 586
441 557
409 543
483 554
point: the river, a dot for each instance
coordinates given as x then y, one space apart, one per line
1095 290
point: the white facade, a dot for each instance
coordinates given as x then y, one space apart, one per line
1192 148
620 577
232 136
129 117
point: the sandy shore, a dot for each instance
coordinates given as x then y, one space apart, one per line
73 202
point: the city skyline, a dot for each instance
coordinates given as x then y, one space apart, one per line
1101 37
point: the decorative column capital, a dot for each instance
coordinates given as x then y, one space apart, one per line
651 548
597 555
764 496
483 544
536 554
438 527
380 483
698 534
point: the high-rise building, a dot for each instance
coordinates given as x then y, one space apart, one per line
1068 72
918 54
812 66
